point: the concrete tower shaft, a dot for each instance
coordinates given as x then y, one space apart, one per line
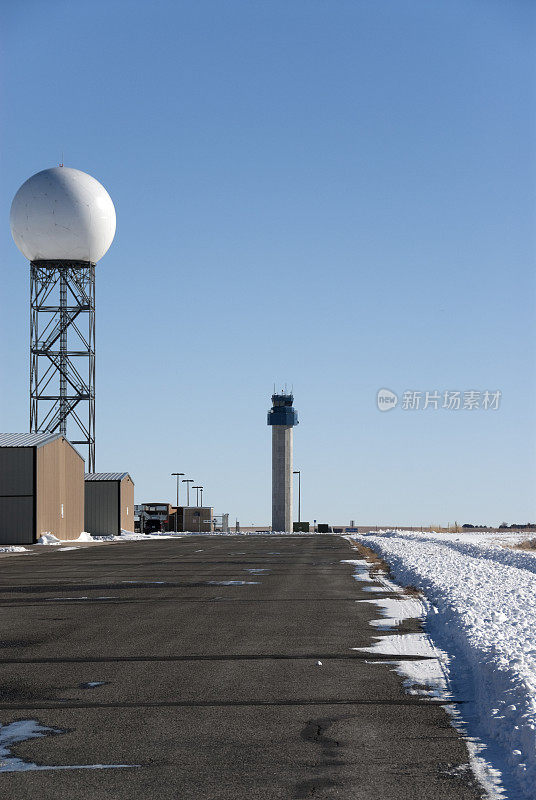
282 436
282 417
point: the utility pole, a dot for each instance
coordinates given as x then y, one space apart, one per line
298 473
178 475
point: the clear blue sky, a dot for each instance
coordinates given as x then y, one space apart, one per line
336 194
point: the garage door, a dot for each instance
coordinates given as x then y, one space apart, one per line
16 520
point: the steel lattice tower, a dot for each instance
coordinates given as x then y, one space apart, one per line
62 350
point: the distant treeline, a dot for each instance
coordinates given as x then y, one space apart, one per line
515 526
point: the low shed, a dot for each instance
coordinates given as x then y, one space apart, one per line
109 503
41 487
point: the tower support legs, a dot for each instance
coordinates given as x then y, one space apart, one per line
62 351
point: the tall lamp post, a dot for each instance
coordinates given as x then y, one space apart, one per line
197 488
188 481
298 473
178 475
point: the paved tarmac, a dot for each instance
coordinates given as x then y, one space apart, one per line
187 668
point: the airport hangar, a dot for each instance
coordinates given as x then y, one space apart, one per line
109 503
41 487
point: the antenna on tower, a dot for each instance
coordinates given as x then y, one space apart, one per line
61 164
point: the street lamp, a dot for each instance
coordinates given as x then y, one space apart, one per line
188 481
178 475
197 488
298 473
201 488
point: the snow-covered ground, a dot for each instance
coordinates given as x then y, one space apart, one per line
480 610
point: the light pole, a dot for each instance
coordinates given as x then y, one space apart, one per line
201 488
178 475
197 488
188 481
298 473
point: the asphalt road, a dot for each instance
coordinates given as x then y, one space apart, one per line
209 689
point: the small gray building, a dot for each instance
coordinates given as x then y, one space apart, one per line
41 487
109 503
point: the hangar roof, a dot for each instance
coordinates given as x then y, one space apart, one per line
33 440
106 476
27 439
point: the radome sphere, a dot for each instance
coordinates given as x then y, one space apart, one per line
62 214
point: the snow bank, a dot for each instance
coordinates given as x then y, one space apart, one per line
48 538
483 614
85 537
131 536
13 548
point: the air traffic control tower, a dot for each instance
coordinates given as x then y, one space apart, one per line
282 417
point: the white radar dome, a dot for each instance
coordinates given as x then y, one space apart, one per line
62 214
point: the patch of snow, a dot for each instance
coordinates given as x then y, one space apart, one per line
233 583
64 549
93 684
362 569
376 588
85 537
22 731
131 536
66 598
396 610
405 644
48 538
362 573
51 538
422 677
13 548
103 597
426 677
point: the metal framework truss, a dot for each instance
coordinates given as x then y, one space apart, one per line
62 350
